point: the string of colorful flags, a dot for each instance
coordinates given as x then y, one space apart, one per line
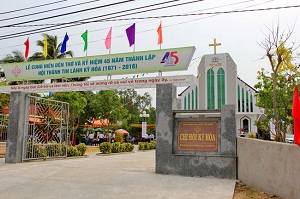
130 32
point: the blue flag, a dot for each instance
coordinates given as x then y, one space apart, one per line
64 44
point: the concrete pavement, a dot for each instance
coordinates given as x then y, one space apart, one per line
126 176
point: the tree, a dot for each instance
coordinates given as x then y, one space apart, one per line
275 95
17 56
77 103
53 49
110 106
4 98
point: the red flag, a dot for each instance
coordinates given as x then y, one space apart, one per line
26 43
108 39
159 32
296 115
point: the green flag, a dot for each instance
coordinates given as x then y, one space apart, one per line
85 39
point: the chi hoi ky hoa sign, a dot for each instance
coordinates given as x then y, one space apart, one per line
113 64
197 136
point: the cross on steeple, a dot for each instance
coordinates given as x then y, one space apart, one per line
215 46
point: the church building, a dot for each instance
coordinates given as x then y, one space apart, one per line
217 85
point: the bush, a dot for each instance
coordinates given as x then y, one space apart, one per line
116 147
127 147
72 151
123 147
119 138
81 148
42 152
152 144
35 151
105 147
251 135
53 149
147 146
141 146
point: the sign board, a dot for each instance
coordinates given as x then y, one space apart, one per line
173 59
148 82
144 129
197 136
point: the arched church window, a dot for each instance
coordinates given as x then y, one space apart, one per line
196 97
243 100
221 87
189 102
251 102
239 98
193 100
210 89
245 124
247 102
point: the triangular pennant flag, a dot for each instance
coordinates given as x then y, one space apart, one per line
64 44
130 31
45 51
26 43
108 39
85 39
296 115
159 32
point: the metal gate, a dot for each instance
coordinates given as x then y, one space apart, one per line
47 135
3 127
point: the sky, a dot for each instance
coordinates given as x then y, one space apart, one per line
239 33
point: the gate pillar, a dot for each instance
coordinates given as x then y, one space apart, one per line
17 128
166 102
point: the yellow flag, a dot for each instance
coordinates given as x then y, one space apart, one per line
45 52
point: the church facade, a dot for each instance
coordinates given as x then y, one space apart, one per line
217 85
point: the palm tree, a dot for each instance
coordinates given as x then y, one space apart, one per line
17 56
53 49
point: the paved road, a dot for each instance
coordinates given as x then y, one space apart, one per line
126 176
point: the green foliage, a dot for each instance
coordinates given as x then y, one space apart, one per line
116 147
127 147
81 148
105 147
141 146
251 135
72 151
119 138
275 89
147 145
53 149
35 151
152 144
53 49
17 56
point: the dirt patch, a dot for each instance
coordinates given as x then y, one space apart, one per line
92 149
242 191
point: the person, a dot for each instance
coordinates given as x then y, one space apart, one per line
86 140
128 138
113 138
151 136
59 137
91 137
101 138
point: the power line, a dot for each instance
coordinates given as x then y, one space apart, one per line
70 13
56 26
28 8
151 19
199 14
80 22
50 10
